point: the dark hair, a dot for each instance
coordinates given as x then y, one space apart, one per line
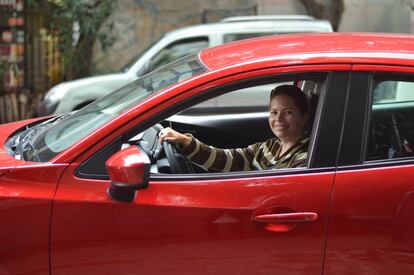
301 101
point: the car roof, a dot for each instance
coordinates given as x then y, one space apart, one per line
286 24
319 47
267 17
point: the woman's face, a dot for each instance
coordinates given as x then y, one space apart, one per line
285 119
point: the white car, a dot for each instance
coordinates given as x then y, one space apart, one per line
73 95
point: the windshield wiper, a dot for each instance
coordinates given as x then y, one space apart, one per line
21 146
26 151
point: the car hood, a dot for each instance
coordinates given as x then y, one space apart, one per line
40 178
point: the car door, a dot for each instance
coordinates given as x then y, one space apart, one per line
244 223
371 228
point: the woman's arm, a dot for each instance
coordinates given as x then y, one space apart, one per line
211 158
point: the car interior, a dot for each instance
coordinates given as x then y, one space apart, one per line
391 132
219 121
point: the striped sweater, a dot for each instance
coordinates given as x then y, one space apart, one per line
258 156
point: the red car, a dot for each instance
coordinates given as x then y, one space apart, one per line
93 192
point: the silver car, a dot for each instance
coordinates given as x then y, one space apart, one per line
73 95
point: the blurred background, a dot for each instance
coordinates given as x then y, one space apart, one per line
44 43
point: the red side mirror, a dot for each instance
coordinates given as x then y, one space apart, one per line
129 171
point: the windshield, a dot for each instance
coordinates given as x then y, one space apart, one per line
70 130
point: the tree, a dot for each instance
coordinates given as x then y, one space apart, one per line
79 24
320 11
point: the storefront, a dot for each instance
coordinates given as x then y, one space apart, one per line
29 59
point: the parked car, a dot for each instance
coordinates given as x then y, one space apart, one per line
93 192
73 95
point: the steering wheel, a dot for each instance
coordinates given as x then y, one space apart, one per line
179 164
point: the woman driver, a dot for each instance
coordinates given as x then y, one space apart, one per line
289 114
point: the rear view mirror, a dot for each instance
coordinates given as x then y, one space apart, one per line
128 171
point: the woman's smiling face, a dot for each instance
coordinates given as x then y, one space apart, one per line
285 119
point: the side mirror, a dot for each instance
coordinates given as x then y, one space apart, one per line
128 171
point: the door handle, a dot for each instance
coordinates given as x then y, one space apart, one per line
286 217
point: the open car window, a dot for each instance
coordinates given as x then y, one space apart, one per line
246 100
229 123
236 123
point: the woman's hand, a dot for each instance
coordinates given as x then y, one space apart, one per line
174 137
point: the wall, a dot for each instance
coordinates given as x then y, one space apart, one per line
377 16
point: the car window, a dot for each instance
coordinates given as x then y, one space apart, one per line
252 99
238 123
177 50
391 130
239 36
222 129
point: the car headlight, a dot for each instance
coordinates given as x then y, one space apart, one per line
51 100
56 93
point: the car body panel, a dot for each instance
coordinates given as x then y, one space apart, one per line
371 228
318 48
189 226
26 196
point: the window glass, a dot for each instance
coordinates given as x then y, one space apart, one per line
391 131
239 36
177 50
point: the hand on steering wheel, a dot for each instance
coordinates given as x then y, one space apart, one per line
179 164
